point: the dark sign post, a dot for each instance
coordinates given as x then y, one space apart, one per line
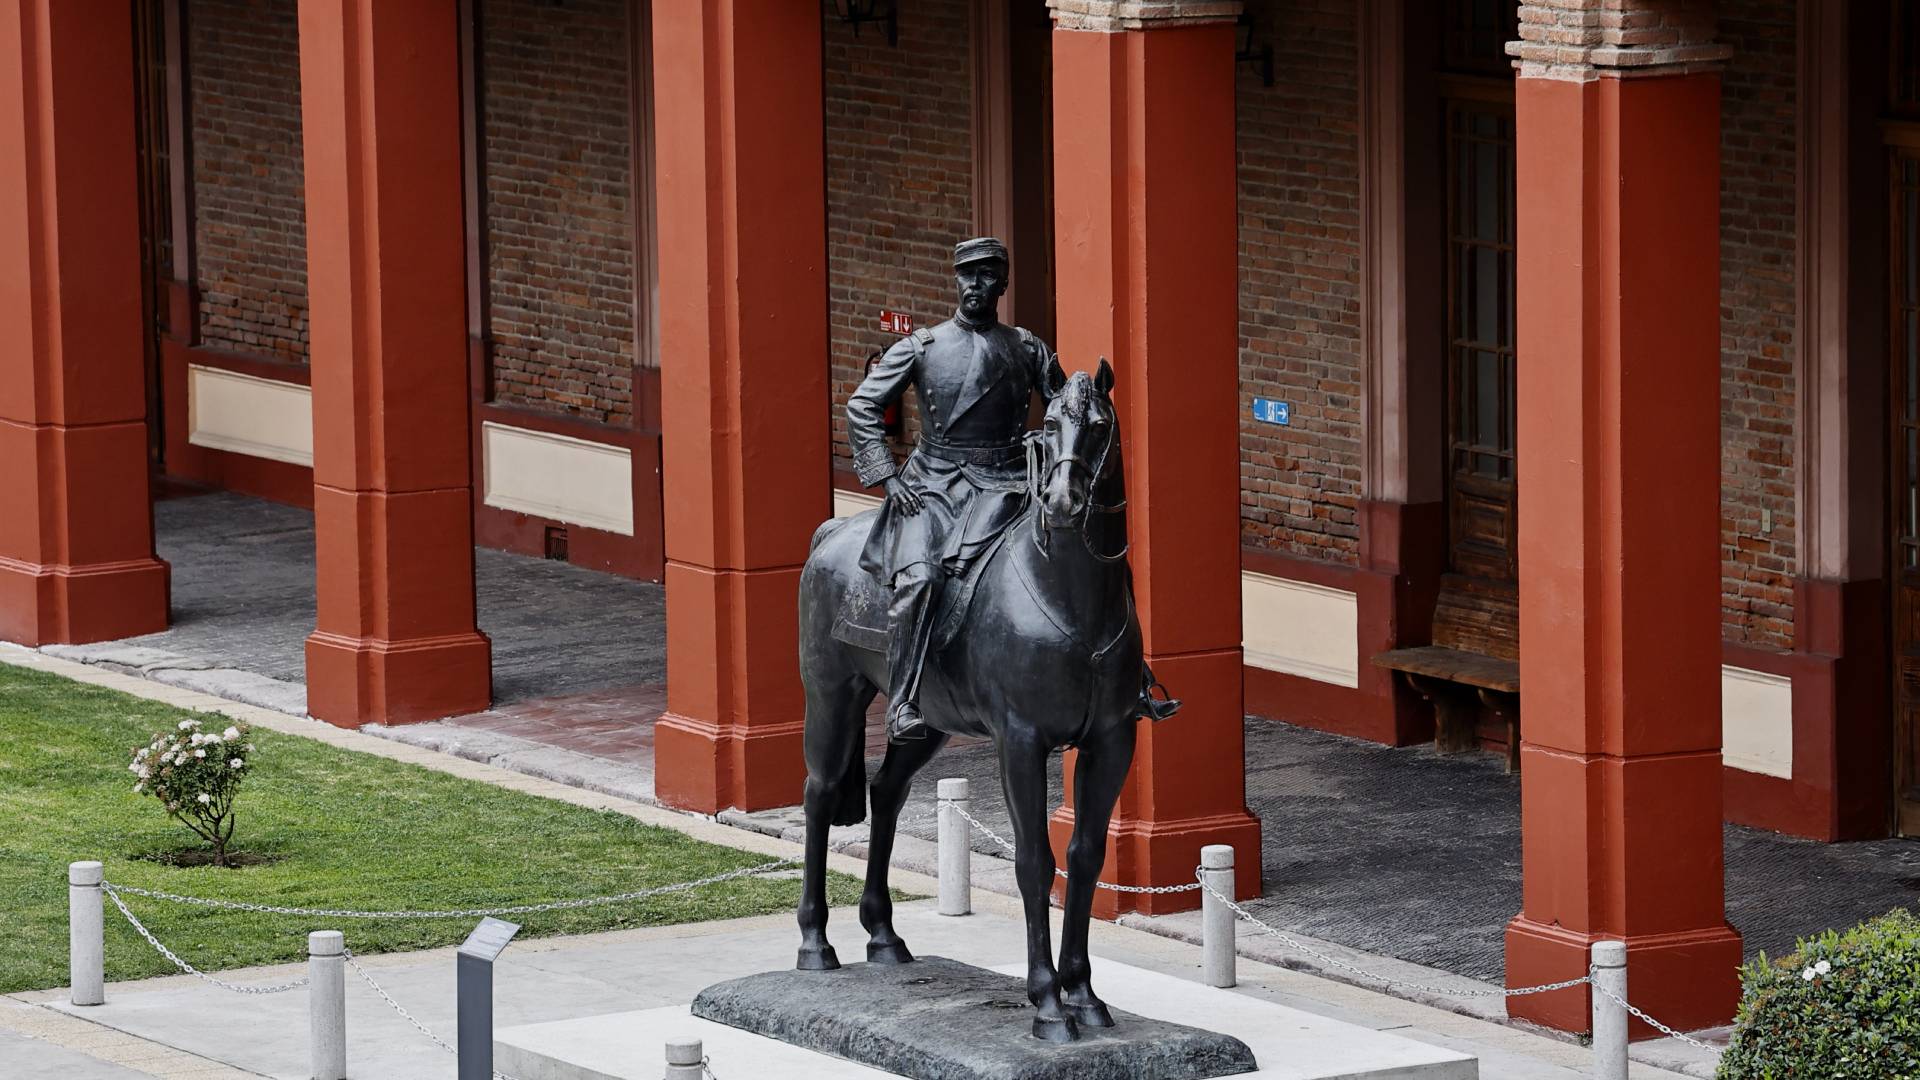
475 978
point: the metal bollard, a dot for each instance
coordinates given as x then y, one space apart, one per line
1609 1016
86 936
684 1060
327 1004
1216 919
956 854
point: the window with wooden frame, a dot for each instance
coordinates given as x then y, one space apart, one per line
1902 135
1478 130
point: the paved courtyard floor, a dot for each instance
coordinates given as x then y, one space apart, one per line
1396 852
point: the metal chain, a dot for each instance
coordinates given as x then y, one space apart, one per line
706 1068
1008 844
423 1029
189 968
1635 1010
1295 943
464 913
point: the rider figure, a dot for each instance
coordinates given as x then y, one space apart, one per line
965 481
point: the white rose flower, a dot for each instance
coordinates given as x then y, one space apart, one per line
135 767
203 798
199 753
230 734
1807 973
235 763
186 725
138 788
1822 967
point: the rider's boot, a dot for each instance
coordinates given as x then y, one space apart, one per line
910 628
1152 705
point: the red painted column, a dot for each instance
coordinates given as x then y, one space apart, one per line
76 520
1146 249
741 207
1619 407
386 276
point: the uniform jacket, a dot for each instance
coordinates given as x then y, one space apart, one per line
974 388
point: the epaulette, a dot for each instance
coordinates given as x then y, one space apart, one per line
924 336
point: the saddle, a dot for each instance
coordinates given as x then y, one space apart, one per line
862 622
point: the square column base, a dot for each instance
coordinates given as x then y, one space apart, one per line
74 605
1687 980
707 768
355 681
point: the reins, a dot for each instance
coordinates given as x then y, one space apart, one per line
1038 468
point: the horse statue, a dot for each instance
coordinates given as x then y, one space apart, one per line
1040 650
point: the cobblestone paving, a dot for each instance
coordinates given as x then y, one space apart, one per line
1410 854
243 595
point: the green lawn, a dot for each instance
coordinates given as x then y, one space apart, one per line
342 830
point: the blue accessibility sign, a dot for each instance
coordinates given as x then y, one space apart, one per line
1269 411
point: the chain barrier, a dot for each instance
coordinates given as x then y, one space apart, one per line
1333 961
1111 887
1294 943
1669 1032
423 1029
113 889
189 968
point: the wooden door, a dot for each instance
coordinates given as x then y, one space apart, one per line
1904 470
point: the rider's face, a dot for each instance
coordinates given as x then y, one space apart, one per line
980 284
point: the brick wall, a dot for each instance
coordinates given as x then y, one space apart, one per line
1300 281
554 98
248 181
899 181
1757 408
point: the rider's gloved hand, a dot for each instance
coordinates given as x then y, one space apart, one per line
901 497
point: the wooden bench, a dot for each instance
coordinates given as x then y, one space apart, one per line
1459 672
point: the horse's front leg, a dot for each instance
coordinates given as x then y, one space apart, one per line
889 792
1099 773
1023 778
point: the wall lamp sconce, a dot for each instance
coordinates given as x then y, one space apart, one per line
1260 56
866 11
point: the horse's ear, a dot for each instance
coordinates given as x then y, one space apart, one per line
1053 380
1103 379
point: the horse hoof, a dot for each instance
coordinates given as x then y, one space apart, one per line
1090 1015
1055 1031
820 959
895 953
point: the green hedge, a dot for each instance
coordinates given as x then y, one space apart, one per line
1843 1006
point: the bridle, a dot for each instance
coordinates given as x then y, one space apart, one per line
1039 468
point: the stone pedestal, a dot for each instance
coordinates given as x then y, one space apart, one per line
939 1019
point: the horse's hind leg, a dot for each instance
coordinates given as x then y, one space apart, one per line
889 792
1098 776
1023 777
835 743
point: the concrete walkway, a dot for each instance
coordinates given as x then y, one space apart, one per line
1158 944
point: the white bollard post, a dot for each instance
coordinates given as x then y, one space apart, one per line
956 854
1609 1016
684 1058
327 1003
1216 919
86 936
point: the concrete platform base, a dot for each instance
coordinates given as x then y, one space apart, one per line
1286 1043
939 1019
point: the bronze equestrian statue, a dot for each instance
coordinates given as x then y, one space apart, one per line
997 565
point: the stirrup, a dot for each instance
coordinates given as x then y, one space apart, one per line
901 729
1156 707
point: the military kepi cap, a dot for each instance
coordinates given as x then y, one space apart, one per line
977 250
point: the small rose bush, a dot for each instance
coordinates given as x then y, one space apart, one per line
1843 1006
196 774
